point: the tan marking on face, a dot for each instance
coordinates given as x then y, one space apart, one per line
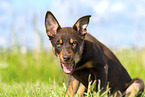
53 49
60 41
71 40
71 52
59 55
47 33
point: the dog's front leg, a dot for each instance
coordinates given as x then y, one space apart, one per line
81 90
72 86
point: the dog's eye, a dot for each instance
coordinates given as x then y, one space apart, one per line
74 44
59 43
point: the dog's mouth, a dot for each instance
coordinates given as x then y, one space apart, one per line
68 67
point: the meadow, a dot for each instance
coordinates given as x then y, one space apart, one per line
38 74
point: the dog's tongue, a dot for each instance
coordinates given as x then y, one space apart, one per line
67 68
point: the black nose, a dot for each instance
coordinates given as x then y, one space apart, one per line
66 57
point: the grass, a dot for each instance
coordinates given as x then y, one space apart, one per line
30 89
17 67
133 61
39 73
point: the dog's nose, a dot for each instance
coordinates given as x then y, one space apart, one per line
66 57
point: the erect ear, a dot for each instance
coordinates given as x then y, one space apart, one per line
81 25
51 25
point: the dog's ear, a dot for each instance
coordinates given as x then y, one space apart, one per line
51 25
81 25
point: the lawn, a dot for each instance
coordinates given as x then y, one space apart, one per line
39 73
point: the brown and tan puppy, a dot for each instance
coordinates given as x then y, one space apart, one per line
81 56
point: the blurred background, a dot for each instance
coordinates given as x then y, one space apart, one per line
117 24
25 50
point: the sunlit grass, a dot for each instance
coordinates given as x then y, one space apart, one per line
133 61
30 67
32 89
40 74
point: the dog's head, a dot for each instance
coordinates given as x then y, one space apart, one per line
67 42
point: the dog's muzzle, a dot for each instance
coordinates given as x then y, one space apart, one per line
67 64
67 67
